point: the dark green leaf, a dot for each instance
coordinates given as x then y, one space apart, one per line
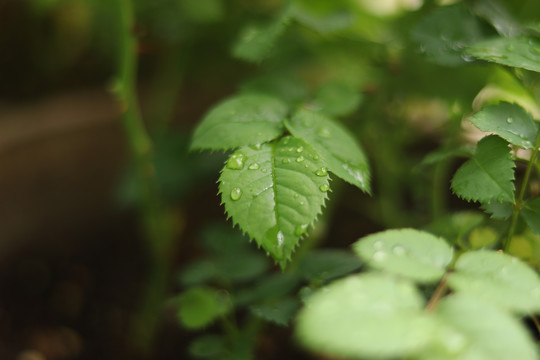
494 12
334 143
474 330
500 278
269 288
240 120
518 52
498 210
323 23
207 346
443 34
327 264
280 312
509 121
274 192
410 253
336 99
489 175
201 306
365 316
455 226
531 214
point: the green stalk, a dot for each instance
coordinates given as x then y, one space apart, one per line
156 229
519 202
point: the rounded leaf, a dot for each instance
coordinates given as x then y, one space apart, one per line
365 316
497 277
411 253
200 306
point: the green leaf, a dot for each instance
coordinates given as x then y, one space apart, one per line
240 120
488 175
274 192
500 278
282 85
201 306
443 34
207 346
336 99
327 264
323 23
280 312
482 237
494 12
269 288
474 330
410 253
255 41
518 52
202 11
335 144
509 121
498 210
531 214
454 227
365 316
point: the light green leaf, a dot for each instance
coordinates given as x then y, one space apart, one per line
518 52
470 329
443 34
454 227
410 253
201 306
365 316
240 120
531 214
336 99
334 143
255 41
488 175
509 121
482 237
279 312
500 278
327 264
274 192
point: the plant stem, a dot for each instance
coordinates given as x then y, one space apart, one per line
437 294
519 202
155 223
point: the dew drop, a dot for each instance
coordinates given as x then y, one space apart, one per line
300 158
323 132
286 140
379 256
399 250
301 203
296 196
301 229
321 172
527 144
253 166
509 120
264 170
377 245
315 157
299 149
257 146
324 187
236 161
306 166
236 194
286 160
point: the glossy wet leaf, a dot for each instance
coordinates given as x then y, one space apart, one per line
519 52
499 278
443 34
411 253
276 194
200 306
365 316
509 121
277 312
336 99
531 214
327 264
334 144
256 40
489 175
240 120
475 330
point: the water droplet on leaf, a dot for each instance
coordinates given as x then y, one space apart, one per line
379 256
323 132
286 161
236 161
264 170
324 187
377 245
253 166
300 158
399 250
300 149
301 229
236 194
321 172
509 120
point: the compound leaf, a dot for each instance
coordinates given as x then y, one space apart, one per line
500 278
411 253
531 214
474 330
255 41
274 191
240 120
519 52
509 121
336 146
365 316
488 175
